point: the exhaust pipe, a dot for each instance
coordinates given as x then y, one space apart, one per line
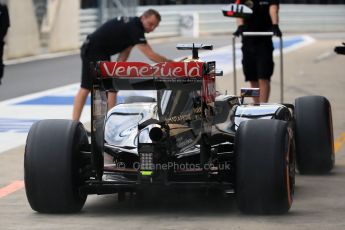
157 133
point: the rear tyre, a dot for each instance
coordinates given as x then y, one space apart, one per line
314 135
265 167
52 164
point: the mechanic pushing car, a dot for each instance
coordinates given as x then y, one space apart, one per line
257 51
116 36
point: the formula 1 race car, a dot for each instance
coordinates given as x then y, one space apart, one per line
187 136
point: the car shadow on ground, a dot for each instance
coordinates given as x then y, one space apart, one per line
162 202
308 188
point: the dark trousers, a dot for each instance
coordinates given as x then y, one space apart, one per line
1 61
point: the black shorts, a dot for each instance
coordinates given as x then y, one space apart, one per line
1 61
88 56
257 60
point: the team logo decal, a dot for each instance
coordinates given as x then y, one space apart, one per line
139 69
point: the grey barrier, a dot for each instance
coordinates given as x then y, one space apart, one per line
198 20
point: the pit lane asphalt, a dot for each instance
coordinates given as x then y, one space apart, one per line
319 201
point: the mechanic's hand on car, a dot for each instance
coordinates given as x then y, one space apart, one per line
240 30
276 30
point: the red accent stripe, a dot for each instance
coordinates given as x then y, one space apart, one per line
11 188
230 13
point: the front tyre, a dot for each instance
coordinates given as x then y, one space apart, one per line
265 166
52 165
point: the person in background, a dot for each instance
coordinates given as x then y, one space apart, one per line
257 51
116 36
4 24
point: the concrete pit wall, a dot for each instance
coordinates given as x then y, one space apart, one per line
23 35
64 25
59 30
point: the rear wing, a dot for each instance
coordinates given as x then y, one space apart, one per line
143 76
237 10
192 76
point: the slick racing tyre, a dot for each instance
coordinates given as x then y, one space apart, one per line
265 167
51 166
314 135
